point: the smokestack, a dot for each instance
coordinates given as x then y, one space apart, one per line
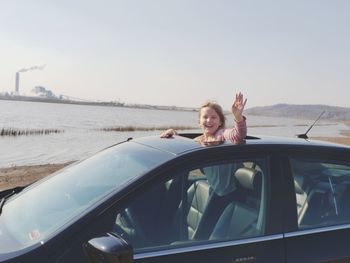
17 84
25 70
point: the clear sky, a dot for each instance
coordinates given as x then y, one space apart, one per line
180 52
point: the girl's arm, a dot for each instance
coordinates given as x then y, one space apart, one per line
239 131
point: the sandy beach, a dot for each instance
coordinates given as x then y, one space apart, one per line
24 175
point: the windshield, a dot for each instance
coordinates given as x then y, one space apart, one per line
38 211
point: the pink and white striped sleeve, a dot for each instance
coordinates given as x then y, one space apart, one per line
238 133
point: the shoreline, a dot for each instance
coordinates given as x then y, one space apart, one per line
23 175
93 103
27 174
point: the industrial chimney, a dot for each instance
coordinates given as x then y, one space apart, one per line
17 84
25 70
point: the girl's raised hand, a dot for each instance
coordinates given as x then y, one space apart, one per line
238 107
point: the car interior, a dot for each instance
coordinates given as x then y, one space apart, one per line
161 219
322 195
240 217
233 216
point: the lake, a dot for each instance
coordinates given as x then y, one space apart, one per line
82 125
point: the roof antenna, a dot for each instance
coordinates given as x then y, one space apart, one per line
304 135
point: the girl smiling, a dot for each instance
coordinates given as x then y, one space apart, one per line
212 122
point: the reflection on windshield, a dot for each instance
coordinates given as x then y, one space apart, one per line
48 205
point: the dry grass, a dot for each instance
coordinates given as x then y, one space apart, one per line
21 132
345 139
340 140
345 133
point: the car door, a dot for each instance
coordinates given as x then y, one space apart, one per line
189 212
319 229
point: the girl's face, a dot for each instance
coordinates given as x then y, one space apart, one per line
209 121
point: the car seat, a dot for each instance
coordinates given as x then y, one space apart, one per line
240 217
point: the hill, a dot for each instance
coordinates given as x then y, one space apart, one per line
302 111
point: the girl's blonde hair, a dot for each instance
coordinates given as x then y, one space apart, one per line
215 106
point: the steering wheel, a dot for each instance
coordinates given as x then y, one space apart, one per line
127 228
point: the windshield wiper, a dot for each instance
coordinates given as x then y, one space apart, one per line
7 194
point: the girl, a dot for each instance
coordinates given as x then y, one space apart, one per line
212 122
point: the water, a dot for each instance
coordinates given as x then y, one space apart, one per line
82 126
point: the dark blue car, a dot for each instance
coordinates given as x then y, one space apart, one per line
174 200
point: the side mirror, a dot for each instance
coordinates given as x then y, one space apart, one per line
108 248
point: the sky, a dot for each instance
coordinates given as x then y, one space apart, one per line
179 52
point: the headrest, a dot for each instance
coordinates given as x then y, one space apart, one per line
248 178
220 178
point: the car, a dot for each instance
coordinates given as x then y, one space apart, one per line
151 199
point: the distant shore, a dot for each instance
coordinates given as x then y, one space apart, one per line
92 103
24 175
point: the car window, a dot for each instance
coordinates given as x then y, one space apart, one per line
50 204
322 189
207 203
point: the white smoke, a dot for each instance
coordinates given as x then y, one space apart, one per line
31 68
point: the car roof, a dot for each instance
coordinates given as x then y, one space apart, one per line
184 143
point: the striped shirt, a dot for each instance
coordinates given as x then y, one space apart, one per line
236 134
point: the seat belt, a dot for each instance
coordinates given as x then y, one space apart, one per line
184 209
